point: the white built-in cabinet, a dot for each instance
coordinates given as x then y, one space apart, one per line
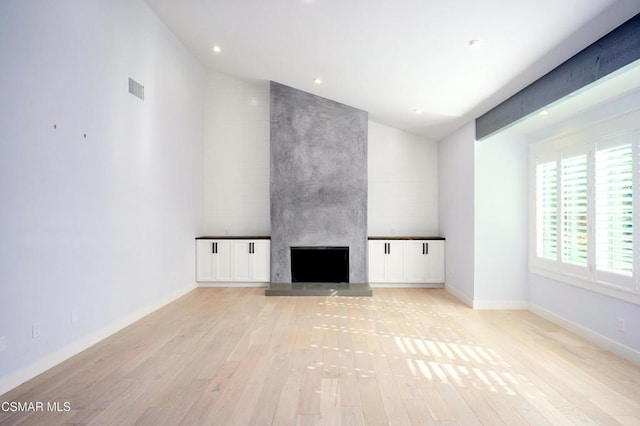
406 261
233 260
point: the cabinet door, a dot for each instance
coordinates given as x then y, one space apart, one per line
394 262
416 261
435 262
204 260
222 260
241 252
377 251
261 261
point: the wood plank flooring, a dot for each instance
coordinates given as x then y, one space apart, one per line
231 356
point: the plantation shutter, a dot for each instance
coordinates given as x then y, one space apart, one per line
585 194
547 210
574 210
614 209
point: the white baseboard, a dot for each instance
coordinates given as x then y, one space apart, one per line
487 304
458 295
229 284
405 285
597 339
29 372
518 305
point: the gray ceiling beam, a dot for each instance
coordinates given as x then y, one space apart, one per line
613 51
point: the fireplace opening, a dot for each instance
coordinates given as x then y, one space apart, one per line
320 264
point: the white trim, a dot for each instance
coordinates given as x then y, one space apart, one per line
458 295
518 305
211 284
405 285
17 378
599 340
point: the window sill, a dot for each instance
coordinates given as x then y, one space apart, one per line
601 288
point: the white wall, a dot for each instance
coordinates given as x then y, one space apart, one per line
403 189
403 183
236 156
456 209
501 222
591 314
483 207
484 215
103 226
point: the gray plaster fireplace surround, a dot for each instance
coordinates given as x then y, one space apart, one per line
318 180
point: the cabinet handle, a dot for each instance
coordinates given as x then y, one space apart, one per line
426 248
388 248
214 248
251 248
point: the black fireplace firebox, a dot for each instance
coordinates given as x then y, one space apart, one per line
320 264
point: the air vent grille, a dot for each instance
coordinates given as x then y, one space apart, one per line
136 89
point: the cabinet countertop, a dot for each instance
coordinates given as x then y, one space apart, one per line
267 237
234 237
406 238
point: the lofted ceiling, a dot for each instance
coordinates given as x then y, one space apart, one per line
393 57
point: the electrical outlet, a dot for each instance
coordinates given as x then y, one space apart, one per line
621 324
35 330
74 316
3 343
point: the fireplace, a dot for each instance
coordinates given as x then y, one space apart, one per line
318 181
320 264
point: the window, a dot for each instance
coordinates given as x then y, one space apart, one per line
574 210
585 195
547 201
614 210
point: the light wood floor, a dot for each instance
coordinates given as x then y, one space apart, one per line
403 357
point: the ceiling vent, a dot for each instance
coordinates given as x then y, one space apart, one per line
136 89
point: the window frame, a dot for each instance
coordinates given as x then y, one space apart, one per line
606 144
615 132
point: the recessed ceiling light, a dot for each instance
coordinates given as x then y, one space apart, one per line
474 43
417 111
216 49
317 81
544 112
